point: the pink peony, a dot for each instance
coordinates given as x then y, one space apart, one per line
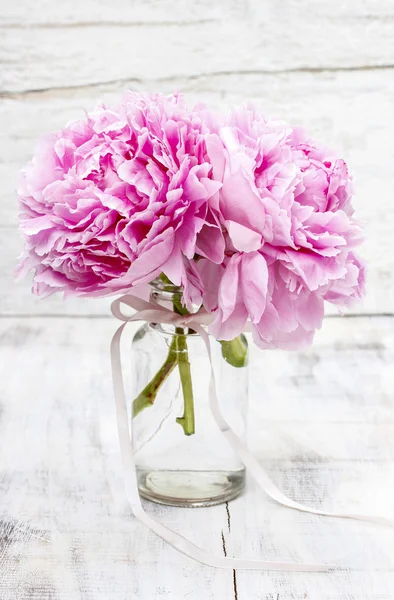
112 201
249 216
285 206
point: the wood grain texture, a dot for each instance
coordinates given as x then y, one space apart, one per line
121 12
53 445
65 528
135 12
44 58
76 44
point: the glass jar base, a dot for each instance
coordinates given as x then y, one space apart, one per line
190 488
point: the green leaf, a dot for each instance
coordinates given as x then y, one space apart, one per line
235 352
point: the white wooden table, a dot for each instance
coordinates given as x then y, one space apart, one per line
322 422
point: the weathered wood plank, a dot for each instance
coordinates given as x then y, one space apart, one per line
314 412
363 551
124 12
161 12
60 476
60 480
121 12
333 10
43 58
344 377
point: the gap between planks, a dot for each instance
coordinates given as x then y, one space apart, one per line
224 546
130 81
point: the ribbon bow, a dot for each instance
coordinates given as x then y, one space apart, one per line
155 313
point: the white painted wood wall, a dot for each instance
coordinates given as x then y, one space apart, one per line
322 421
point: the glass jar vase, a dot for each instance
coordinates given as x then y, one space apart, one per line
182 458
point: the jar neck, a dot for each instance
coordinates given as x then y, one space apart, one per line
165 294
169 296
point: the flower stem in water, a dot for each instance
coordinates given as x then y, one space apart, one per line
148 395
187 420
177 355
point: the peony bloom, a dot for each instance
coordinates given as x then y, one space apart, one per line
285 206
248 215
112 201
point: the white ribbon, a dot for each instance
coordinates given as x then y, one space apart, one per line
154 313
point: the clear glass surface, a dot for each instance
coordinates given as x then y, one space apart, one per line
173 468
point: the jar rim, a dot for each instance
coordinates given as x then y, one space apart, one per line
162 286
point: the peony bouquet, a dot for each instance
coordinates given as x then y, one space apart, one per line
249 217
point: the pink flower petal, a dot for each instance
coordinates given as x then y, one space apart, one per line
254 283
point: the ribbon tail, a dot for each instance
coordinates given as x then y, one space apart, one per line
176 540
254 467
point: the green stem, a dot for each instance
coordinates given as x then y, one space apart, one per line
177 355
187 419
148 395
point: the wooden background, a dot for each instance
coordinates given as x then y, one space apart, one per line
322 421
